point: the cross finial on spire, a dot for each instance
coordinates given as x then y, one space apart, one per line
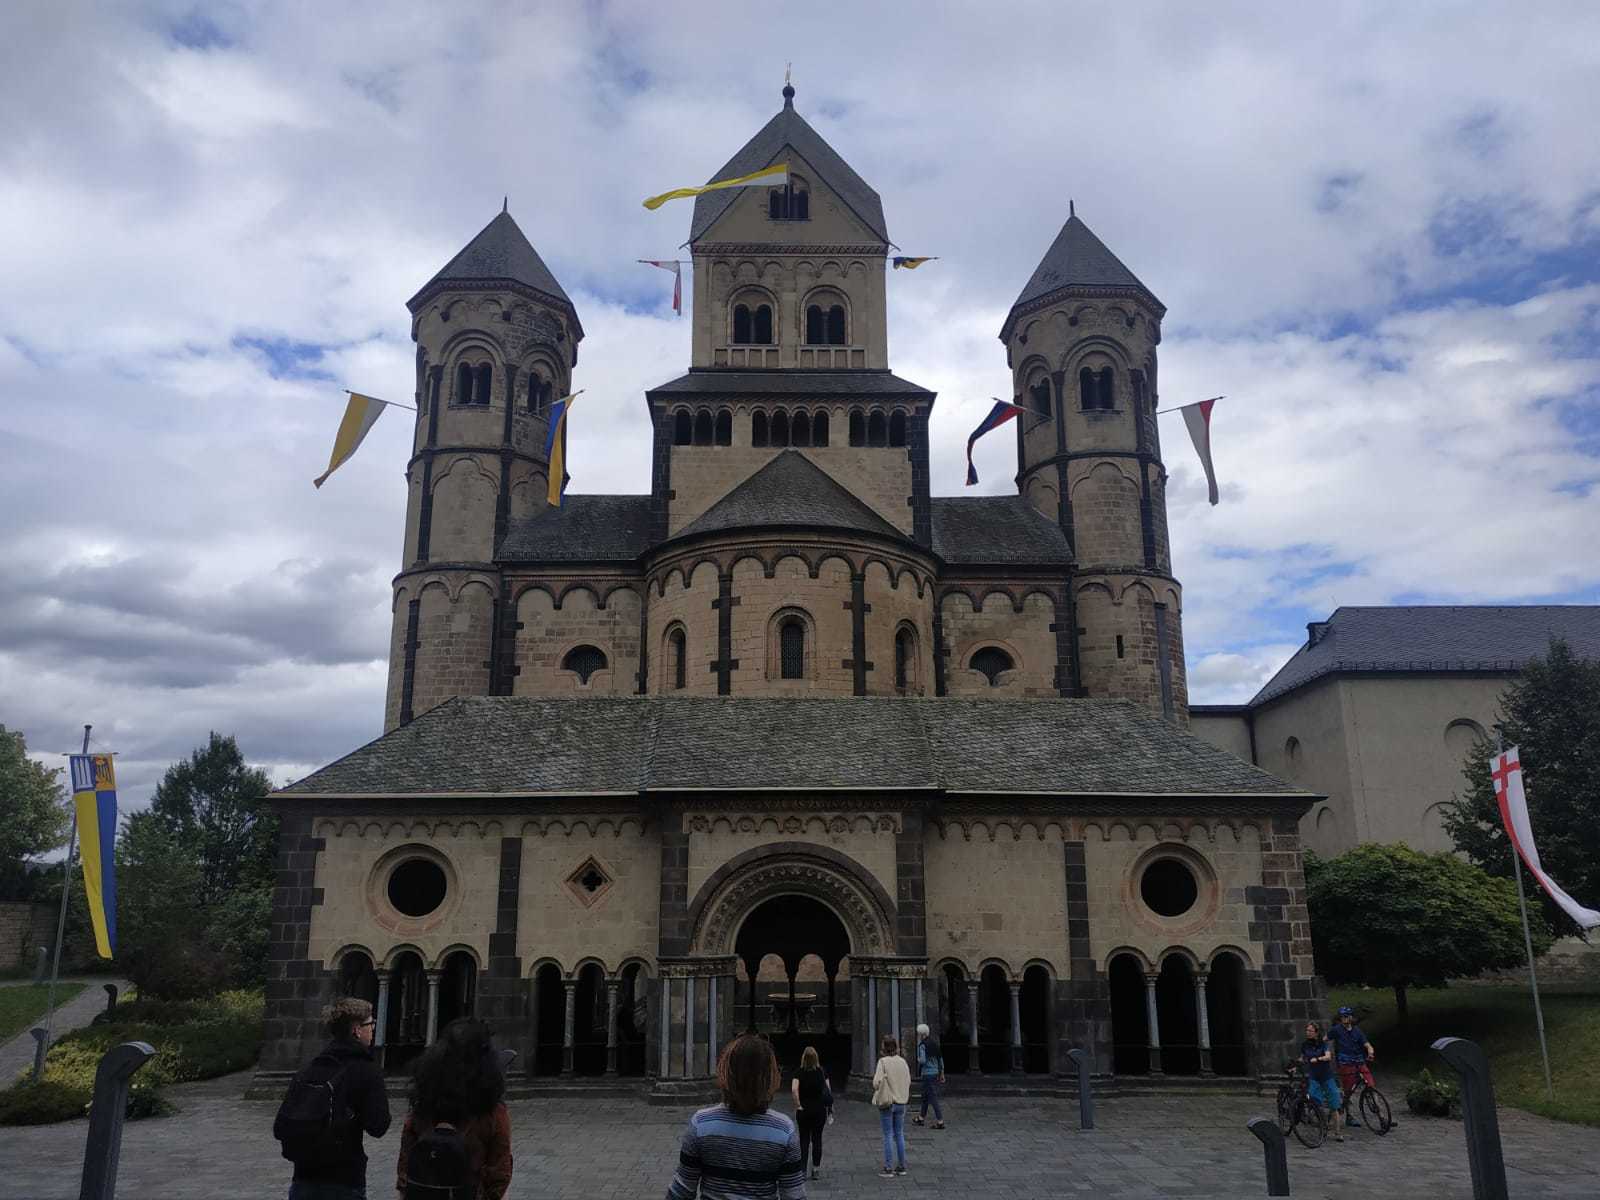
1072 209
788 87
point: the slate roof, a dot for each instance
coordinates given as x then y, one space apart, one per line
516 746
822 162
584 529
1079 259
790 383
500 251
996 531
1430 639
790 491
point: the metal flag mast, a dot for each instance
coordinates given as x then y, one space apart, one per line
1527 937
61 928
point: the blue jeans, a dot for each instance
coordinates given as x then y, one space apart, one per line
317 1189
893 1120
930 1095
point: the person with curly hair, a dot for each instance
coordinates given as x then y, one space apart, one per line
456 1095
739 1149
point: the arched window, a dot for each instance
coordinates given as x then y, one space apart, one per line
741 325
816 325
792 649
897 428
780 428
682 428
1107 389
761 333
585 660
836 330
678 643
464 384
858 428
792 202
991 660
1041 397
905 657
485 380
724 427
800 430
539 396
758 429
819 429
877 430
702 428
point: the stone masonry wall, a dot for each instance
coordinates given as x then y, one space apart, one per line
1026 636
547 634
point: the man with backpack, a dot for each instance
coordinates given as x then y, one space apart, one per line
329 1104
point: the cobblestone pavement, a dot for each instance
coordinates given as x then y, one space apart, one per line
221 1146
16 1056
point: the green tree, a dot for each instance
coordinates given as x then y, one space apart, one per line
1552 715
162 941
217 807
33 814
1390 916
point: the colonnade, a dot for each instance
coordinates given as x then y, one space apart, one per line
1152 1017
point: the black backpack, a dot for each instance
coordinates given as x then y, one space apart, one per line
313 1117
933 1053
439 1167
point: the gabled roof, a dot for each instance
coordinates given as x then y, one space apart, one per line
519 746
720 381
1078 259
500 252
790 490
789 128
1432 639
583 529
996 531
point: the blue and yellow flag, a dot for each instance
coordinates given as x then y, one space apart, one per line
94 794
555 447
908 263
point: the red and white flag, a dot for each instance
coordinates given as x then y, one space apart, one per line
1198 418
1506 771
677 280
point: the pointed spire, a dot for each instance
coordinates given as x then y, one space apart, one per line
1078 259
500 253
505 204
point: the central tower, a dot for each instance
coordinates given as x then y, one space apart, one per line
790 276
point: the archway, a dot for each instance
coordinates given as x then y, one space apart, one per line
793 1007
407 1027
458 987
1177 1017
589 1003
357 978
994 1021
1225 1014
549 1019
953 1004
1130 1025
1036 1020
633 1016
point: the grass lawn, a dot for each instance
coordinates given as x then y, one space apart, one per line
22 1006
1500 1019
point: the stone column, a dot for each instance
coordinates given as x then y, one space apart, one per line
972 1030
569 1021
922 1017
1155 1025
382 1015
433 1007
612 985
1016 1027
1205 1022
872 1018
665 984
833 1024
711 1025
688 1027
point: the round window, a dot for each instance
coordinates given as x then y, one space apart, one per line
417 887
1169 887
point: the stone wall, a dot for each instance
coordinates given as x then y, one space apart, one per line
1026 636
996 891
547 634
24 927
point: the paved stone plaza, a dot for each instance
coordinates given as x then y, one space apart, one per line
221 1146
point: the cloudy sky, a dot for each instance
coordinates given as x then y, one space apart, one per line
1376 229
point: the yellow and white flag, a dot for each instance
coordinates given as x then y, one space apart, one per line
360 415
767 176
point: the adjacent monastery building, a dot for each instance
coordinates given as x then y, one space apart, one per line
785 741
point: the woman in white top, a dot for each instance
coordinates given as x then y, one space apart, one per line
891 1092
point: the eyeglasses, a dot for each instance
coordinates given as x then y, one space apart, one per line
367 1024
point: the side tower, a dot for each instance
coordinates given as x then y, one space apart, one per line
497 339
1081 342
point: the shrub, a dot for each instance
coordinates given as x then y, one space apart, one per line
1429 1095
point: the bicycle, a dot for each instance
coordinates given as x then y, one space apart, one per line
1298 1113
1372 1104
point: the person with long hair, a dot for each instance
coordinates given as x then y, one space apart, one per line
813 1104
456 1094
891 1092
740 1149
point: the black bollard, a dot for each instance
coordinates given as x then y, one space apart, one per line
106 1116
1485 1158
507 1057
111 996
39 1047
42 967
1085 1062
1277 1154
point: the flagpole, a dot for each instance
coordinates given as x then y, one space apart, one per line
1181 407
61 920
1527 937
390 403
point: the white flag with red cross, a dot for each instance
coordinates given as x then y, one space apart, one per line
1505 769
677 279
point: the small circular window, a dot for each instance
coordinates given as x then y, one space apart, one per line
1169 887
417 887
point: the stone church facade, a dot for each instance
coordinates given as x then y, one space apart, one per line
788 742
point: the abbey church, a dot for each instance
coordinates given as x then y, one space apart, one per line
783 741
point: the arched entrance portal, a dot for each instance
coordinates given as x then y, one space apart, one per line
1225 1013
1177 1018
793 952
1130 1024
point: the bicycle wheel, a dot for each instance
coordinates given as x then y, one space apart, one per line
1375 1112
1285 1109
1310 1124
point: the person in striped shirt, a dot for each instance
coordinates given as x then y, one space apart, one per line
739 1149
